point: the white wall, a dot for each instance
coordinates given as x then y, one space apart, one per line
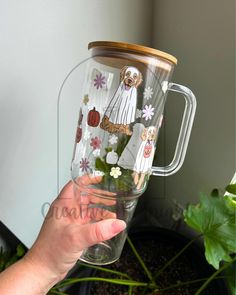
201 34
40 42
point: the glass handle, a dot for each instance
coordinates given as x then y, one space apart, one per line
185 131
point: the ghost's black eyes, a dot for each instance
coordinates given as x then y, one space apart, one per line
135 75
128 74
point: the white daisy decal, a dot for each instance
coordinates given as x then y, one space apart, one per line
115 172
138 114
148 112
87 134
148 93
113 139
96 152
98 173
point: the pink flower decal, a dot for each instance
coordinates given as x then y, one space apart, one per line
99 81
95 143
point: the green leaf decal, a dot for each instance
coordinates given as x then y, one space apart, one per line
100 165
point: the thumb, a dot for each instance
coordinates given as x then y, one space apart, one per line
94 233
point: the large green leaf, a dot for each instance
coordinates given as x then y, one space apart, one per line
20 250
214 217
230 278
231 188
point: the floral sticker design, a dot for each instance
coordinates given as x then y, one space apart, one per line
138 114
148 112
113 139
148 93
95 143
99 81
87 134
86 99
84 164
115 172
96 152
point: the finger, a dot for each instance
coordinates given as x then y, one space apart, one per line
82 183
67 190
90 234
102 192
98 214
86 198
88 179
100 200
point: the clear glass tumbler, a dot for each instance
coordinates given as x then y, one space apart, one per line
124 95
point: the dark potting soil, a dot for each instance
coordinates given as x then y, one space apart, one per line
155 255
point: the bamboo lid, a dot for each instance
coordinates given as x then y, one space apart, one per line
133 48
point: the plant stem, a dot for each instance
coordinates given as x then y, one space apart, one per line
188 283
115 272
148 273
224 266
113 281
130 290
176 256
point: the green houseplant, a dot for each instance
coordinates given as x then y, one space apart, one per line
8 257
214 221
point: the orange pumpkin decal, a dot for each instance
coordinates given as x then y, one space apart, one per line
93 118
79 129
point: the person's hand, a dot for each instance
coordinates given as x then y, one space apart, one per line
64 235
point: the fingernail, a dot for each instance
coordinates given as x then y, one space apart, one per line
118 226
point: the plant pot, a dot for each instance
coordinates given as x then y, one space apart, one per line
156 246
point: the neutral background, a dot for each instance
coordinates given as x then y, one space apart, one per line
202 35
41 41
